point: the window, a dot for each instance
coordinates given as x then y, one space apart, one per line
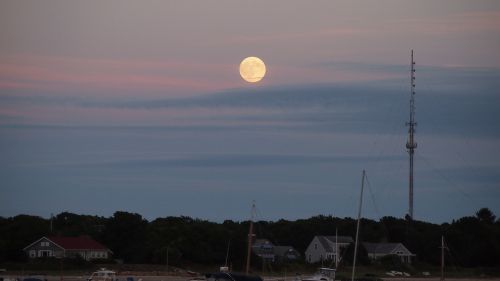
45 253
315 246
32 254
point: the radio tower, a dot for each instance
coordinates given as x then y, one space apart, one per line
411 144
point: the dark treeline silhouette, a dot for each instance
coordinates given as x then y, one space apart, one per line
472 241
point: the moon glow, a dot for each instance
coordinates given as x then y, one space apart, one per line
252 69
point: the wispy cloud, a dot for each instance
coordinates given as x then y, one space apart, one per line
450 100
53 73
237 161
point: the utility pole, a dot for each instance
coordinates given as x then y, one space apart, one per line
250 236
442 258
167 259
411 144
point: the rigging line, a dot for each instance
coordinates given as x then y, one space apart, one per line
258 214
392 131
464 138
454 259
258 217
393 173
373 197
466 195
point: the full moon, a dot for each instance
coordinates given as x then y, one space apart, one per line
252 69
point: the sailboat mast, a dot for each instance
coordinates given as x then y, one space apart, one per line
442 258
227 252
411 144
250 236
357 227
336 249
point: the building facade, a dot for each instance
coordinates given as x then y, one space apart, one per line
325 248
59 247
378 250
269 252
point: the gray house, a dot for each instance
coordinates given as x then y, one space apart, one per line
378 250
323 248
286 253
266 250
58 246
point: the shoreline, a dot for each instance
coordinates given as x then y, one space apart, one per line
145 277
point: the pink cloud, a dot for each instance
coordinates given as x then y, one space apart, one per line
309 35
460 23
62 73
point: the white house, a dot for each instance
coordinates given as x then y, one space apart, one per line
58 246
323 248
378 250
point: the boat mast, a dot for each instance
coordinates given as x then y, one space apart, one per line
227 252
442 258
357 227
411 144
250 236
336 249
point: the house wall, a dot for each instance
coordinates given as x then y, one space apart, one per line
332 255
44 248
404 258
403 253
400 251
88 254
315 251
289 255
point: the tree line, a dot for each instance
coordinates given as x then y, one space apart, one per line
472 241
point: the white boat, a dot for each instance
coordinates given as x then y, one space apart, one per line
103 275
323 274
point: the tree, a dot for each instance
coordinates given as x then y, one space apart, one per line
125 234
361 255
486 215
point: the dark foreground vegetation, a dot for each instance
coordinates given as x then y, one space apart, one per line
473 242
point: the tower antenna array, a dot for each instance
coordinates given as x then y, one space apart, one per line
411 144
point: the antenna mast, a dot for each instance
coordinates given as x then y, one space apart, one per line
411 144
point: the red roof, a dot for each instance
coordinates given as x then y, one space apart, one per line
77 243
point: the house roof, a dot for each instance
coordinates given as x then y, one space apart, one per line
268 252
340 239
382 248
77 243
261 242
326 241
283 250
